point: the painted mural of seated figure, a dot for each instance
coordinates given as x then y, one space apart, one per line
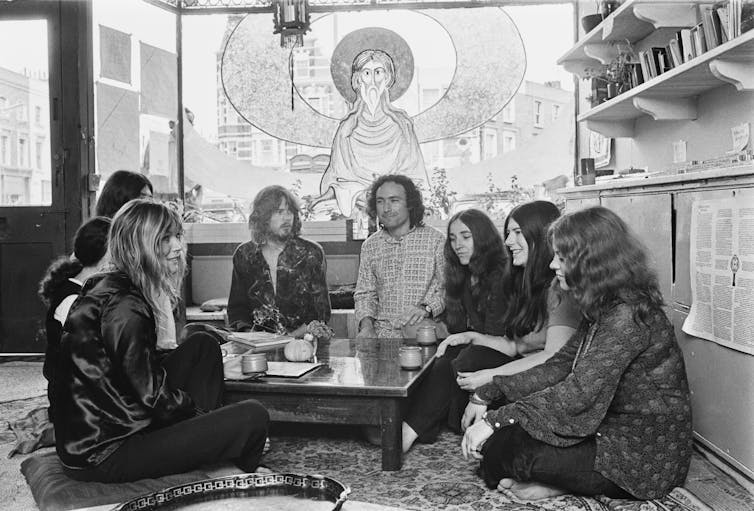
374 139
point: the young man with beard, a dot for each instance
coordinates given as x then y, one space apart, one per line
402 268
278 268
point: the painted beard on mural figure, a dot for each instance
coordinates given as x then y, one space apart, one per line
374 139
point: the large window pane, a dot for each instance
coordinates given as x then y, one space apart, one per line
136 92
228 158
25 163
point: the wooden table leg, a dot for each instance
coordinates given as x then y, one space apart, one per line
390 412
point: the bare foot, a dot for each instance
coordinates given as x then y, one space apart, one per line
409 436
530 490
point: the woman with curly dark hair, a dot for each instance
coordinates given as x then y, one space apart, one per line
63 280
502 309
610 412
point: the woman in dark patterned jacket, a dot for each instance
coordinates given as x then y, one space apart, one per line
279 279
121 411
609 413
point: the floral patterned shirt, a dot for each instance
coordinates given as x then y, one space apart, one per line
619 381
395 274
302 294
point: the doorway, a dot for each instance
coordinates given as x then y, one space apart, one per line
33 228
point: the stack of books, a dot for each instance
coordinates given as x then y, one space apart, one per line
719 23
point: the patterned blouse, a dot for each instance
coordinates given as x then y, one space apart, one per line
621 382
395 274
302 294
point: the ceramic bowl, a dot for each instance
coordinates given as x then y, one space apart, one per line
253 363
410 357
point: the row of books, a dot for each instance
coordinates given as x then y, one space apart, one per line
720 22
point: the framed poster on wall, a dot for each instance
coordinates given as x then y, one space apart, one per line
599 149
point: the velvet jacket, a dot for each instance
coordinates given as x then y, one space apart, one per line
109 383
619 381
301 294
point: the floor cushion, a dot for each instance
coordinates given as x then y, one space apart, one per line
54 491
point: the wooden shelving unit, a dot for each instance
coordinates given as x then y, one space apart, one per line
632 21
671 95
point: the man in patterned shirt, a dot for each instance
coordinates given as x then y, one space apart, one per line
401 272
277 270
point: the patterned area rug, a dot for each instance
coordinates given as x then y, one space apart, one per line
433 476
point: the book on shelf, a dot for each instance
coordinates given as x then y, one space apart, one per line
659 59
697 34
644 63
674 49
637 75
711 26
722 9
687 45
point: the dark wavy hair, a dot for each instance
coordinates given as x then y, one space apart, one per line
89 247
488 264
121 187
265 204
413 198
529 285
605 263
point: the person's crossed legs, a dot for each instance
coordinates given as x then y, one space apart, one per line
532 470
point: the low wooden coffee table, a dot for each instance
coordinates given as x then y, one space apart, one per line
360 383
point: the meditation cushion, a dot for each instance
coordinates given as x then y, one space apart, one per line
54 491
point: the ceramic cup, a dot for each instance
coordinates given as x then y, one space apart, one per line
254 363
426 335
410 357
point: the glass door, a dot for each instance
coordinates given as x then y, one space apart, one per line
32 228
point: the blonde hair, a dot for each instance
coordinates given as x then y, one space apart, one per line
136 235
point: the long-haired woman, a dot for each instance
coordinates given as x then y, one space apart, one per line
122 412
524 321
121 187
609 413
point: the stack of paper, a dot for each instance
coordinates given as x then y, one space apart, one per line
259 340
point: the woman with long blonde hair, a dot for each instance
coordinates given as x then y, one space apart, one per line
122 410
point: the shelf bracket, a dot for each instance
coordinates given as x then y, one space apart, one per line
740 74
612 129
605 53
667 109
579 67
667 15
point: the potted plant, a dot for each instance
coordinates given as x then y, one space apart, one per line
621 70
619 75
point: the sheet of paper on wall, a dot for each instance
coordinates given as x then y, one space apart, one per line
722 272
740 135
679 151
